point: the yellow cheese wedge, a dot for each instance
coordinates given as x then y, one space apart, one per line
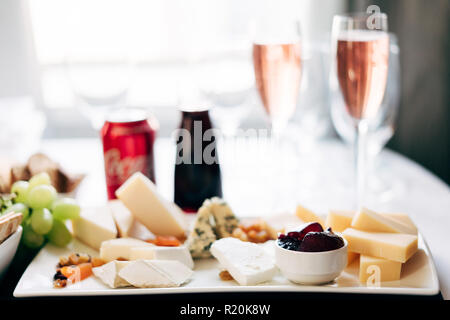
339 220
378 269
94 226
403 218
161 217
392 246
368 220
308 216
351 256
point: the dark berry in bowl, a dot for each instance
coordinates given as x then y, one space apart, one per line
288 243
321 241
304 229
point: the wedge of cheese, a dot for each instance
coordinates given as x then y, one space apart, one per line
248 263
94 226
109 274
161 217
180 254
378 269
155 273
120 248
339 220
368 220
307 215
391 246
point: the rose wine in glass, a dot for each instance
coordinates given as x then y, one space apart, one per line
361 55
277 75
277 65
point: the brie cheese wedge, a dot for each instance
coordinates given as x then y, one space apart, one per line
155 273
247 262
109 274
180 254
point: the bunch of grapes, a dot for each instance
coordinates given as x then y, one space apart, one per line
44 213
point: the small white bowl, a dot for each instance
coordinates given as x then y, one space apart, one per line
8 249
311 267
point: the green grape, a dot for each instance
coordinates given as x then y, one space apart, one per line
65 208
59 235
41 221
19 207
20 188
41 196
39 179
30 238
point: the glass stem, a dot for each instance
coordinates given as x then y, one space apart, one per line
360 162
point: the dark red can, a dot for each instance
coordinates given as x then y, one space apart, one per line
128 138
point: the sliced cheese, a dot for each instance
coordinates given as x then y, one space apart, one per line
155 273
180 254
392 246
403 218
308 216
140 196
122 217
94 226
368 220
120 248
339 220
378 269
248 263
127 226
109 274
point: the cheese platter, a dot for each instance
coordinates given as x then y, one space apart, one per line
144 244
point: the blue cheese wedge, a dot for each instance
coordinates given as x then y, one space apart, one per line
248 263
109 274
120 248
202 235
215 220
180 254
155 273
225 220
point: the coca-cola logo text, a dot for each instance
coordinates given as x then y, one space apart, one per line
118 170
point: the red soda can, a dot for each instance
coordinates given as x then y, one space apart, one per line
128 137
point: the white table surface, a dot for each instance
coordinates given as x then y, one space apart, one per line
318 176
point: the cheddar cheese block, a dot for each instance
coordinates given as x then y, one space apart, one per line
392 246
368 220
307 215
161 217
380 269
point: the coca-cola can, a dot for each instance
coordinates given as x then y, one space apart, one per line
128 142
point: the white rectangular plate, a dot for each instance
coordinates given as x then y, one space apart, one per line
418 278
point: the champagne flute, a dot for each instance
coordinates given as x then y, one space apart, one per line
360 66
277 66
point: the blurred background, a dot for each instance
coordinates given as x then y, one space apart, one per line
62 61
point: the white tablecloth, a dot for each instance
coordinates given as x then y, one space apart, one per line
257 182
